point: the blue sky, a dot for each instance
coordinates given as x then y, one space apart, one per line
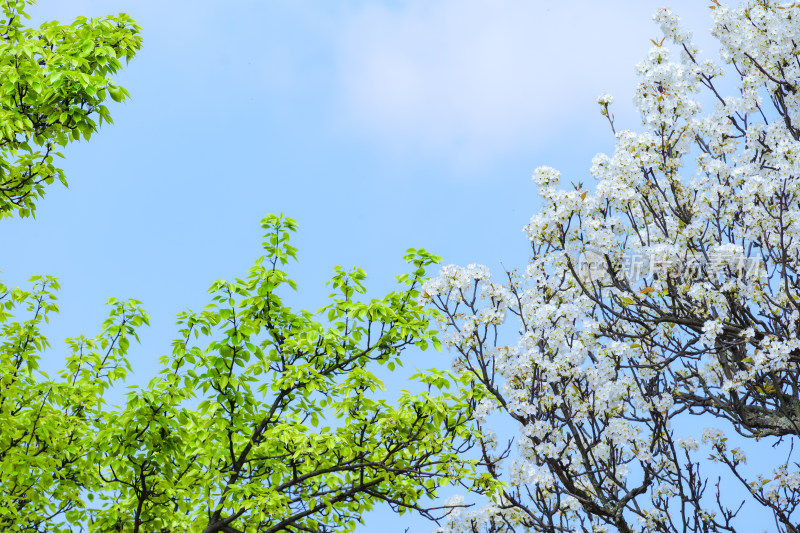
378 125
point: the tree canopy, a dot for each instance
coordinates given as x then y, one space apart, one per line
663 298
54 81
263 418
659 300
269 425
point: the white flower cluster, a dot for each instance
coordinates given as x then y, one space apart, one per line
688 443
546 177
605 99
454 282
711 329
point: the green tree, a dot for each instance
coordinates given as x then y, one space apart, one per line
263 419
54 81
47 426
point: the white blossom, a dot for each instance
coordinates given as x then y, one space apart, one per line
666 291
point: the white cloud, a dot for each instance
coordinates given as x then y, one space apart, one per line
486 76
465 80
